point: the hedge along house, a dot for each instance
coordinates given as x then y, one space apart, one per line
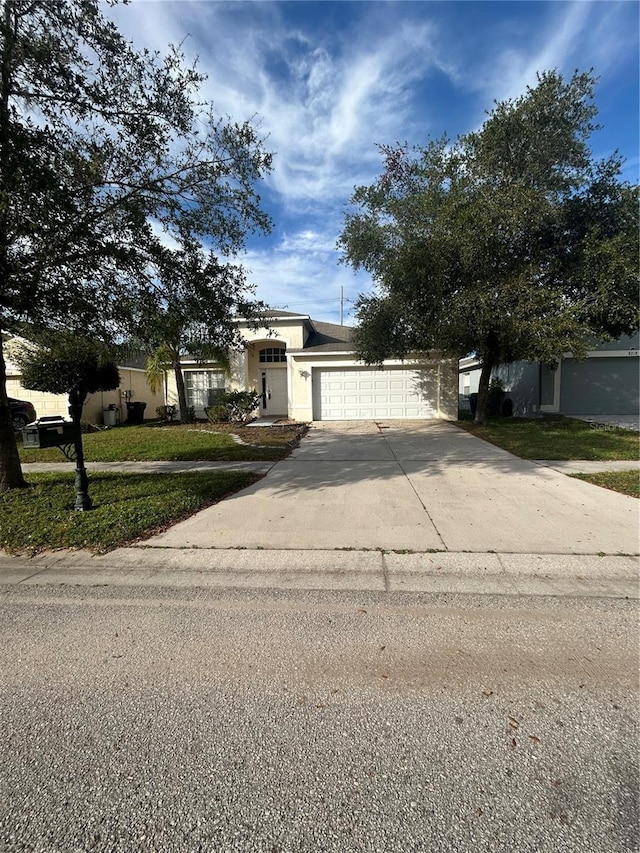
133 388
306 370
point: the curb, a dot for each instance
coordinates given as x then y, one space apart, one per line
573 575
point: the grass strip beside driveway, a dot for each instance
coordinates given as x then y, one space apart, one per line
127 507
626 482
556 438
179 443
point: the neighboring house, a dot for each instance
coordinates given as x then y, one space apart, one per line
307 370
133 388
468 380
606 382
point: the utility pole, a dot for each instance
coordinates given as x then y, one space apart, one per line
341 305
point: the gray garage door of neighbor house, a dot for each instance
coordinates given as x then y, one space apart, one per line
599 386
365 393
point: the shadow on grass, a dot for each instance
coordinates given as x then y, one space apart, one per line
556 438
127 507
144 444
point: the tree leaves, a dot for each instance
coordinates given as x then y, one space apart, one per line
101 146
67 364
510 242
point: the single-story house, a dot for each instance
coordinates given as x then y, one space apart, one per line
468 380
306 370
133 388
605 383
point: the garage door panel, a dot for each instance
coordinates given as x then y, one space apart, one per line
362 394
599 386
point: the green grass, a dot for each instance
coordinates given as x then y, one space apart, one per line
177 442
626 482
556 437
127 507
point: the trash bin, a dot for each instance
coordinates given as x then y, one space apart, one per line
109 416
495 398
135 412
473 403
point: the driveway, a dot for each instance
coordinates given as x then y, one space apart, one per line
416 486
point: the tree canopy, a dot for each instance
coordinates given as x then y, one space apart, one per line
102 147
511 242
188 307
65 363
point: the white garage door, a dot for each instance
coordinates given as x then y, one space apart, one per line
361 394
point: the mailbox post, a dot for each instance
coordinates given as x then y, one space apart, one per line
67 435
83 501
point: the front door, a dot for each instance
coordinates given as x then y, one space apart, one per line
274 392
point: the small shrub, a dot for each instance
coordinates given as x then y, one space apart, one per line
233 407
166 414
217 414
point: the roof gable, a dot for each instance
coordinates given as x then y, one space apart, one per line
329 337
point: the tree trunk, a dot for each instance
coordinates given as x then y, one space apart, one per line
10 470
182 394
483 391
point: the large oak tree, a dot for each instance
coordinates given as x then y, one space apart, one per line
511 242
100 144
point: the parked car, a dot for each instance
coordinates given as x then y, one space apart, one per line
22 412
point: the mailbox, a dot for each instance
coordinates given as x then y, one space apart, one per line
50 432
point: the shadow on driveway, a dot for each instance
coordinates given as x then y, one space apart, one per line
412 486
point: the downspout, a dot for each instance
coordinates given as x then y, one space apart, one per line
539 387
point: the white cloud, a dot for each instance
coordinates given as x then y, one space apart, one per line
301 273
323 98
322 110
163 236
566 36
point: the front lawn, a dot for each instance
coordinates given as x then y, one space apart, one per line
127 507
178 442
556 437
627 482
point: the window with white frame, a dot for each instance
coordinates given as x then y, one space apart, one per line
466 385
269 355
203 386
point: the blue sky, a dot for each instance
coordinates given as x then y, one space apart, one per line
327 81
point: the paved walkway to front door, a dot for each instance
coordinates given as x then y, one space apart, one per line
415 486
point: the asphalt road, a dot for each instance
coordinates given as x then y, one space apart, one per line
211 720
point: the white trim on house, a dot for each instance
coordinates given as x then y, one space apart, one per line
606 353
551 408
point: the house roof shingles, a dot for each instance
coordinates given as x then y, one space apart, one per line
329 337
276 313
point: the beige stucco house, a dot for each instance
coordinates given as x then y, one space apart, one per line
133 388
306 370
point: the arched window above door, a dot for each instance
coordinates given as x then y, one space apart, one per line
271 355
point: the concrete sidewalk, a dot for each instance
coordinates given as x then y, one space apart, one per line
416 487
148 467
164 467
